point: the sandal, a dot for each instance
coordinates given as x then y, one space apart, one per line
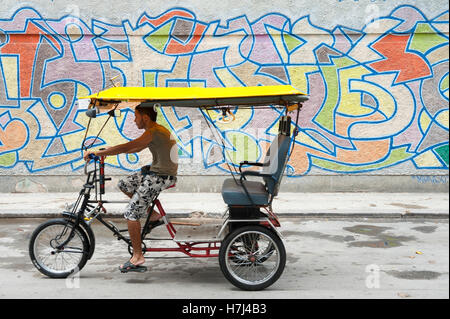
129 266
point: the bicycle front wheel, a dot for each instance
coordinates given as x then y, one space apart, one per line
55 261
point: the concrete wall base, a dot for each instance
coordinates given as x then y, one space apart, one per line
198 184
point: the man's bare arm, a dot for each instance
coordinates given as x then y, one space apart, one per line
133 146
134 150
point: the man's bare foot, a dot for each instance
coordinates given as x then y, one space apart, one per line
137 261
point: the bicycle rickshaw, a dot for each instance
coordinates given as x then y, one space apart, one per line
247 243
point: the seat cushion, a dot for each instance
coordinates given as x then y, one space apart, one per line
234 194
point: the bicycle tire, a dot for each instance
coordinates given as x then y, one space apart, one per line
272 258
48 245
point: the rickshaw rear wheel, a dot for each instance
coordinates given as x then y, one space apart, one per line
54 262
252 257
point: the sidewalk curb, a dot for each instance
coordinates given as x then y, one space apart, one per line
301 205
391 215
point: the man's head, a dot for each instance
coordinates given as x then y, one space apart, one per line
144 115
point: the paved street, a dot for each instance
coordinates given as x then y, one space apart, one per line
327 258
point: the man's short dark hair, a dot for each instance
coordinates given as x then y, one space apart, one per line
148 110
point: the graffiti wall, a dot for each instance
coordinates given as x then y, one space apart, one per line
379 94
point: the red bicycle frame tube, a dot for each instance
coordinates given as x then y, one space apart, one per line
189 249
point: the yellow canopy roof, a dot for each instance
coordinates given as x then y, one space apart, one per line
199 97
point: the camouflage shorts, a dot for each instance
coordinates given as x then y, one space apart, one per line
143 190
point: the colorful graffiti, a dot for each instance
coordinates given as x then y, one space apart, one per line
378 96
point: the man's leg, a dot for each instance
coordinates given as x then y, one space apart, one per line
134 229
140 201
129 185
155 214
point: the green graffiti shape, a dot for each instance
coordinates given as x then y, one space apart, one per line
442 151
425 38
159 38
8 159
331 77
292 42
444 84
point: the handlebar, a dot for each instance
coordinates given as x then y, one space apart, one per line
91 156
94 157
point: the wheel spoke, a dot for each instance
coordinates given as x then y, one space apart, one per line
54 261
252 258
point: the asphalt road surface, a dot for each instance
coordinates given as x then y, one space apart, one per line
326 258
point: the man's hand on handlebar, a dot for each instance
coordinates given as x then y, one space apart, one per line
88 156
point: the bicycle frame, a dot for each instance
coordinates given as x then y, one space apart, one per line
96 180
189 249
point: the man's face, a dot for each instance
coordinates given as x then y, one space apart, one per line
139 120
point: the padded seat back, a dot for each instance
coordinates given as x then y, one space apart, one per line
275 163
247 193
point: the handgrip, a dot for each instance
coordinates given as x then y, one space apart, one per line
90 156
94 157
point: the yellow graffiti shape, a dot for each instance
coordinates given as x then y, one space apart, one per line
10 72
424 121
386 105
227 77
404 103
427 159
298 76
350 102
442 118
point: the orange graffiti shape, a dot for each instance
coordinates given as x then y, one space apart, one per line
409 65
175 47
167 16
364 151
25 45
13 136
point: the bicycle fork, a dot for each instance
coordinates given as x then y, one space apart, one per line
83 198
